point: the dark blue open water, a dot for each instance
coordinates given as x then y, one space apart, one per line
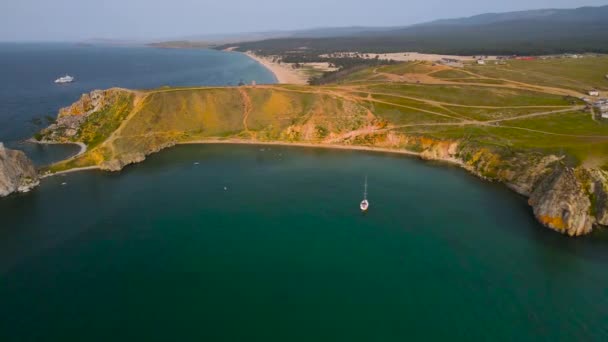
268 244
27 91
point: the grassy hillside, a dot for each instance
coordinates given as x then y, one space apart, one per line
532 106
576 74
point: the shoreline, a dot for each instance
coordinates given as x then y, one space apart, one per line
439 160
313 145
282 73
83 146
270 143
77 169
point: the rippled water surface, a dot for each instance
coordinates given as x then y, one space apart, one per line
267 243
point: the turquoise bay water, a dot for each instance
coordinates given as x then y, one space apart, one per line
162 252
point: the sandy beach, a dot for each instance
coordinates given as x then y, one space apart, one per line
284 73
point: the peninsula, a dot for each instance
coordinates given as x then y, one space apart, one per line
523 123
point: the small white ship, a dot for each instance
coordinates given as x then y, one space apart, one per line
365 203
65 79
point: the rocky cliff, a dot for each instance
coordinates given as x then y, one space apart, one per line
567 199
17 173
561 202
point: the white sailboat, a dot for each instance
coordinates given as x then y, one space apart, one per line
365 203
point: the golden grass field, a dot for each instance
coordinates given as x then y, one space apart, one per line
529 106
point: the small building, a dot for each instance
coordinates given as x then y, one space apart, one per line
481 62
253 83
601 108
593 92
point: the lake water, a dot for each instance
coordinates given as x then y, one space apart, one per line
28 94
259 243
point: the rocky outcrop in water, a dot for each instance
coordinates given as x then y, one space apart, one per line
17 172
562 203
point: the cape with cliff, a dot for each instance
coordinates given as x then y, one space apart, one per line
521 123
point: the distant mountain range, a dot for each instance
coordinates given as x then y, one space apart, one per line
582 14
541 31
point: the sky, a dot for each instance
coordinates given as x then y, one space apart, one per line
75 20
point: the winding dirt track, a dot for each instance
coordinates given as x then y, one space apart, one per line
427 78
345 92
349 93
247 107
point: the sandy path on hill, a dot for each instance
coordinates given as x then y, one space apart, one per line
247 107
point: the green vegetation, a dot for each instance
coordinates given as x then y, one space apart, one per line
571 123
403 106
472 95
100 125
577 74
451 74
407 68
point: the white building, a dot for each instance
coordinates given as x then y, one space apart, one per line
594 93
481 62
601 107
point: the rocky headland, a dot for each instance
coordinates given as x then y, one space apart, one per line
567 199
17 172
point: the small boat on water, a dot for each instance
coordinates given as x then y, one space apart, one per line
365 203
65 79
